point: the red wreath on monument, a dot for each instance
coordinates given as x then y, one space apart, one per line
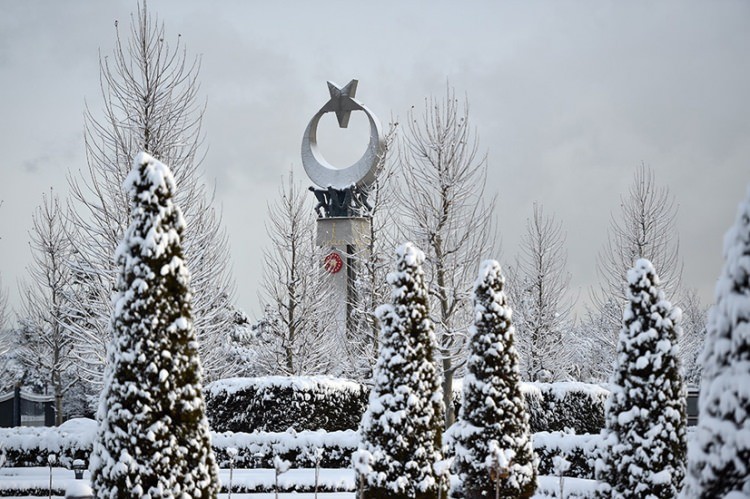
333 262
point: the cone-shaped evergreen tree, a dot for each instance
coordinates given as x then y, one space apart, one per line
645 415
491 438
402 428
153 439
719 461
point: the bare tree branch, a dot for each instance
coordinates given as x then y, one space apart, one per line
296 335
537 288
445 213
373 264
645 228
44 348
150 94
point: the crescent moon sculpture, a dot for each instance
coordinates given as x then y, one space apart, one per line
362 173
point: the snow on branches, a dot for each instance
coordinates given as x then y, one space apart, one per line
718 462
153 438
492 441
645 415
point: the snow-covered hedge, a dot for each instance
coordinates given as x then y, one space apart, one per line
25 447
30 491
561 406
302 449
579 452
28 447
31 446
567 406
277 403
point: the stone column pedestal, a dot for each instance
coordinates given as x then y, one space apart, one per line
345 237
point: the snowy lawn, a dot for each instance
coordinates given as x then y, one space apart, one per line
25 478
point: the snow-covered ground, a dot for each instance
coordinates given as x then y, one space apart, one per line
21 478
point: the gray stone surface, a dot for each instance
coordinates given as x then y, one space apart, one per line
363 172
340 232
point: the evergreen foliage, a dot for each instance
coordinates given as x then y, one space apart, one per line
645 415
491 438
153 438
280 403
402 427
719 460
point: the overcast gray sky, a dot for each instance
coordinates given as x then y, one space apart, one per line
568 99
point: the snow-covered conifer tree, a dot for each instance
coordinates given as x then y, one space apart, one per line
645 415
402 428
153 438
719 462
491 438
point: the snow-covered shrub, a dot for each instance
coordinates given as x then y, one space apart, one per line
21 489
491 438
153 437
559 406
301 449
29 446
719 462
581 451
277 403
646 414
567 406
402 428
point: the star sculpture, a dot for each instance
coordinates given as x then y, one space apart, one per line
342 101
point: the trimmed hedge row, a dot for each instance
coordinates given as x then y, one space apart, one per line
31 491
278 403
563 406
31 446
302 449
27 447
580 451
567 406
287 488
238 488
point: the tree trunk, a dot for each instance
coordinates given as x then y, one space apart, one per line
450 412
58 407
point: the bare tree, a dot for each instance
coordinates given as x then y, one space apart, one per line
444 212
373 264
592 360
694 320
44 347
644 229
150 92
538 288
295 334
5 341
7 338
4 337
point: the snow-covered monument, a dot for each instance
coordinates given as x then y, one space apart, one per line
344 214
